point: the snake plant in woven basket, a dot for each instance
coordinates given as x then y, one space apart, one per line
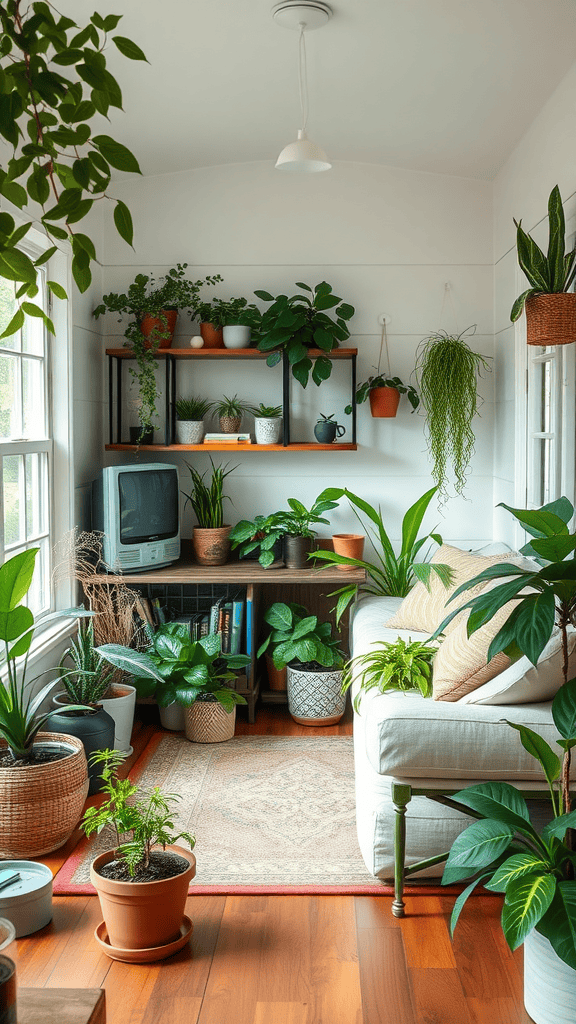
549 272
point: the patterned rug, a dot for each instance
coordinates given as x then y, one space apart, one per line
270 815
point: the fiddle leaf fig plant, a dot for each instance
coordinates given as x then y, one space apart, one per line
54 81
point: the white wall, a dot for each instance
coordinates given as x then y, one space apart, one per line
387 240
545 157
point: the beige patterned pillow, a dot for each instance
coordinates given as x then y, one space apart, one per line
424 609
460 664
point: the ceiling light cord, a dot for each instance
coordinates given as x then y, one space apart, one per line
303 77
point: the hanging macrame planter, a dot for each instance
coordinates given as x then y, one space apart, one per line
551 319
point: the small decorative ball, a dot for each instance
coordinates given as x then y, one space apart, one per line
196 341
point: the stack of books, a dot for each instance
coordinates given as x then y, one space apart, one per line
227 439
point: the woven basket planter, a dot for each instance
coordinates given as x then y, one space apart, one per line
208 722
551 319
41 804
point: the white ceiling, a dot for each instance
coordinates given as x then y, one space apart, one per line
438 85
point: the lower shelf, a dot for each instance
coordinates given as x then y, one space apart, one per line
273 697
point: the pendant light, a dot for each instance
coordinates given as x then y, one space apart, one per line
302 156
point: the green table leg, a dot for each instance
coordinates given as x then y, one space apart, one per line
401 796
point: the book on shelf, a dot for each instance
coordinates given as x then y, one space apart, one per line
227 438
236 628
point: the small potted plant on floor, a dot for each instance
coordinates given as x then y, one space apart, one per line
313 660
299 323
142 883
230 412
210 537
383 392
196 675
190 413
267 422
153 308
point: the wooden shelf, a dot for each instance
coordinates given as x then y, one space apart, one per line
296 447
246 571
226 353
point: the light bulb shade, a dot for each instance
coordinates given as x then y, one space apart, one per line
303 157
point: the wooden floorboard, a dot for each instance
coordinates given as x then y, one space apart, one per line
290 959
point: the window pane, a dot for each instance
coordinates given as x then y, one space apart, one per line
38 596
10 412
12 482
7 310
33 332
36 494
33 398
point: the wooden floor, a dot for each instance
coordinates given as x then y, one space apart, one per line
291 959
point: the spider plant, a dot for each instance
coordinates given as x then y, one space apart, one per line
402 665
207 499
229 407
265 411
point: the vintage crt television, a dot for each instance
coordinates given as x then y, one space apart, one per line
137 509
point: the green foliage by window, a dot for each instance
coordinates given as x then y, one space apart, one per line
547 273
447 370
53 82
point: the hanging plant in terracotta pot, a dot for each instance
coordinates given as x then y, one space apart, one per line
550 305
383 390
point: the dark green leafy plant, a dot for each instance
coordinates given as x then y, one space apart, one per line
265 411
296 324
148 297
504 852
382 380
190 670
547 273
207 500
298 638
392 574
264 532
147 822
192 408
447 370
54 82
402 665
227 312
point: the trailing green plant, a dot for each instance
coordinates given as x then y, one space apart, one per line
207 499
192 408
147 296
294 325
547 273
392 574
148 821
297 638
229 407
504 852
265 411
190 670
55 82
383 380
447 371
401 665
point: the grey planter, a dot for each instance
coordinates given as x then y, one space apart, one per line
189 431
236 336
296 550
314 696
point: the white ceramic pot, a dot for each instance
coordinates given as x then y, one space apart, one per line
189 431
121 708
549 983
236 336
314 695
173 717
267 429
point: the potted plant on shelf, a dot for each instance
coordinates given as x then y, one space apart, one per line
153 307
327 430
262 536
313 661
401 665
549 302
229 412
267 422
210 537
447 371
293 526
196 675
190 413
299 323
383 392
239 321
142 883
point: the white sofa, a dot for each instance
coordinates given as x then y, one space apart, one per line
434 744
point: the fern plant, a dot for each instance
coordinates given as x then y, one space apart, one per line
447 371
402 665
550 273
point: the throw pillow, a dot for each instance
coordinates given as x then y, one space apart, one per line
525 683
460 664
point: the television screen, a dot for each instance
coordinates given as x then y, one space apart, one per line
148 505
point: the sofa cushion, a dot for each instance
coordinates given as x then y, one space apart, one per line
366 624
424 608
524 683
461 664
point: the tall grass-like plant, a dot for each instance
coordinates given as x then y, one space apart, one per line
550 273
207 499
192 409
447 370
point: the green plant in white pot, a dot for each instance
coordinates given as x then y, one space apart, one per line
190 413
267 422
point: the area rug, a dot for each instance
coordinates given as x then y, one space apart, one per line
270 815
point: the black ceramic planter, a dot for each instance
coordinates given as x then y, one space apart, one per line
147 436
326 431
296 550
96 731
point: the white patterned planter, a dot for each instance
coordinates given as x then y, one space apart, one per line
314 696
189 431
549 983
267 429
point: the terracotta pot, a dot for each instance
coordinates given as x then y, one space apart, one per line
551 319
213 336
351 545
211 547
296 550
208 722
230 424
384 402
142 915
152 326
276 676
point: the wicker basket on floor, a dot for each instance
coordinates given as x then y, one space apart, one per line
208 722
551 319
41 804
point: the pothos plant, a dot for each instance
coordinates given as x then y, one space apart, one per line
148 296
53 82
296 324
